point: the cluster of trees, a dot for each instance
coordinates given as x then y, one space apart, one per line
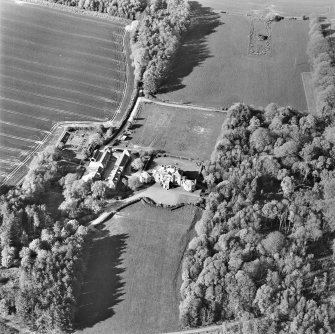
129 9
155 40
134 182
271 205
50 276
82 198
96 136
20 223
23 213
322 58
47 252
144 157
43 171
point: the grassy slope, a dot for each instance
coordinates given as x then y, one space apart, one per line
183 132
55 66
133 276
217 70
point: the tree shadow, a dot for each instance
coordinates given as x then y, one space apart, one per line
102 288
327 29
193 48
136 126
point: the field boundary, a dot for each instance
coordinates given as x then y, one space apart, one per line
79 11
306 78
109 213
178 105
226 327
130 92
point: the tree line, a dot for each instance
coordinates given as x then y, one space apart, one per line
155 40
269 210
321 52
129 9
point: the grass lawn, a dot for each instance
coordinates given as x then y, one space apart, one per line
133 279
189 133
55 66
213 66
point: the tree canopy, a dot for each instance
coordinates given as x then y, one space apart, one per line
269 210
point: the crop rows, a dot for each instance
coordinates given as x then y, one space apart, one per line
55 67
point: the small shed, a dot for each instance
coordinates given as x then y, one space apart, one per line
64 138
145 177
124 138
189 185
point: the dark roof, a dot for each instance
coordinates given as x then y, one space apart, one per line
122 160
97 155
65 137
106 158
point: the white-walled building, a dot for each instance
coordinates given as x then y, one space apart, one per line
168 175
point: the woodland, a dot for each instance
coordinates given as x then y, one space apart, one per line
269 218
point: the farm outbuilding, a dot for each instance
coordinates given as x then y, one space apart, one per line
118 169
64 138
97 164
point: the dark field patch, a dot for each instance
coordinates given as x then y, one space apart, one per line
55 66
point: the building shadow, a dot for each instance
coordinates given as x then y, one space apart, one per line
102 287
193 49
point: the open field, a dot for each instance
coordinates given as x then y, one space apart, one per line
133 279
283 7
55 66
183 132
215 65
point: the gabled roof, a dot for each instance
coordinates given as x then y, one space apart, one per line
97 155
105 157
